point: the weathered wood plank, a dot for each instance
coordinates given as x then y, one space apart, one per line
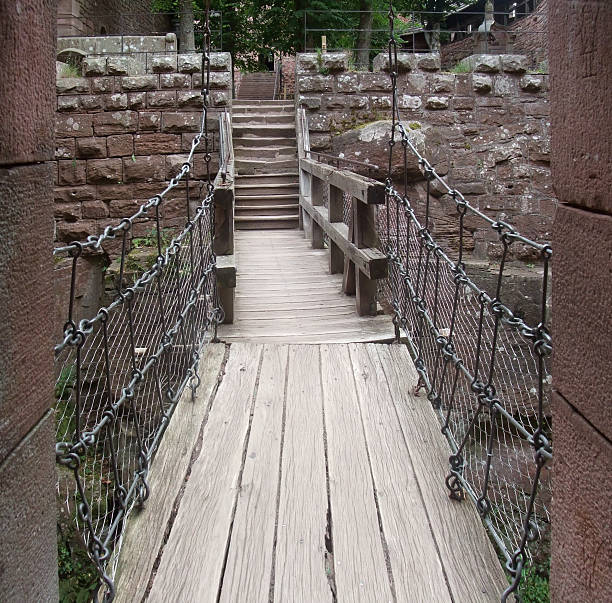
300 572
359 562
145 529
192 560
371 261
471 565
249 563
417 570
365 189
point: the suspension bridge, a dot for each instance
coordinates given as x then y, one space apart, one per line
276 423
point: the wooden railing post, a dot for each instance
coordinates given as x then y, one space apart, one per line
364 228
317 196
336 214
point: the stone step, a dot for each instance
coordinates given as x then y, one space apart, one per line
264 118
267 190
261 141
253 166
279 178
265 223
277 103
267 108
261 152
266 211
263 130
266 200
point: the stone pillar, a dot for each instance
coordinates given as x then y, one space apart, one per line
28 548
580 58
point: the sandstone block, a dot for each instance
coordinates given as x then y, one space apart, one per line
315 83
462 103
174 80
94 209
174 163
104 171
220 80
406 61
70 212
148 121
406 101
220 99
531 83
91 102
77 194
163 63
320 142
504 85
139 82
335 62
161 98
120 208
374 82
319 122
175 123
116 102
334 101
77 126
356 101
117 122
443 83
484 63
188 98
514 63
348 82
482 83
137 100
91 148
120 65
67 232
429 61
120 145
157 143
64 148
71 173
416 83
94 66
102 85
67 103
189 63
380 102
143 169
220 61
72 85
144 44
307 62
437 102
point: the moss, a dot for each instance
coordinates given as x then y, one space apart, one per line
414 125
461 68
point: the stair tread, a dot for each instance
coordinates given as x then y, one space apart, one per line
264 218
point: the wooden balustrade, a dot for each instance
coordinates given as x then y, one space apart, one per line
353 250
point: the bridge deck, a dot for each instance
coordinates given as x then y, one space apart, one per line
285 294
309 473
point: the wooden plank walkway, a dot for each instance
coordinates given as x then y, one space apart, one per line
285 294
316 476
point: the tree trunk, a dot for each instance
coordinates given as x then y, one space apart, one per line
432 36
364 35
186 35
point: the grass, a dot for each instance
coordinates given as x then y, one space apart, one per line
534 586
461 68
68 70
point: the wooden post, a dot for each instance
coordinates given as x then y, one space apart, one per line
336 214
364 228
316 197
348 281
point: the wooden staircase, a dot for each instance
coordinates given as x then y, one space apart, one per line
258 85
265 160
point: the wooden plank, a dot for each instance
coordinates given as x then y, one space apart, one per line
145 529
226 270
192 560
359 561
472 568
300 572
417 570
371 261
364 189
249 563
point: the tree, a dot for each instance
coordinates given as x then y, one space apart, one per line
433 15
186 36
364 33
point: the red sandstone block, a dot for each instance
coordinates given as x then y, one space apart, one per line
582 514
180 122
156 143
91 102
91 148
581 111
174 163
174 80
582 315
73 125
71 172
70 212
148 121
95 209
104 171
27 84
74 194
122 208
116 102
66 104
143 169
107 192
102 85
117 122
137 100
120 145
161 99
65 148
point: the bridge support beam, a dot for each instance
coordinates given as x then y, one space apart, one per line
28 545
580 56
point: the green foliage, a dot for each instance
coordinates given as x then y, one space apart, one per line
150 240
78 578
461 68
70 70
534 586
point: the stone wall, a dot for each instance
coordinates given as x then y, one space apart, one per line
94 17
120 137
487 130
